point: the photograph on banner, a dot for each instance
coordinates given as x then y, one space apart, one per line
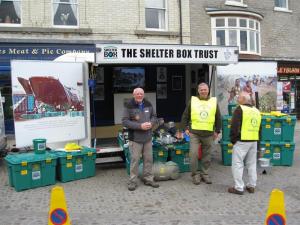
48 101
256 78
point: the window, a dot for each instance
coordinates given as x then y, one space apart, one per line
281 4
239 3
237 31
65 13
10 12
155 14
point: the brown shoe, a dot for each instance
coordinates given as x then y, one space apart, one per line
151 183
232 190
132 186
196 179
206 179
250 189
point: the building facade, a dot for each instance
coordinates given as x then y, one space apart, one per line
265 31
45 30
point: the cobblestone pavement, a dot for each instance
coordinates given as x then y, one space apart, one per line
104 199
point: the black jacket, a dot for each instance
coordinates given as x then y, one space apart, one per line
133 117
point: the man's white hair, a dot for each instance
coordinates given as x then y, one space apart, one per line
138 89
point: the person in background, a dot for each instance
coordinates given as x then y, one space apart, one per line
139 117
244 134
248 88
237 87
202 121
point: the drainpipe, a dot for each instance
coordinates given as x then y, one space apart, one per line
180 21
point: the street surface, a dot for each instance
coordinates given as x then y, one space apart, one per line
105 200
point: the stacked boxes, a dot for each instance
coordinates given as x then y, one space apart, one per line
277 138
226 125
226 145
31 170
231 108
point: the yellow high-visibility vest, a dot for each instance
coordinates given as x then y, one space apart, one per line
203 113
250 124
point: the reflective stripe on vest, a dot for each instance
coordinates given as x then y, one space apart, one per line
250 124
203 113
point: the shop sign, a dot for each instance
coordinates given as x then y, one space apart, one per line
158 54
288 70
41 51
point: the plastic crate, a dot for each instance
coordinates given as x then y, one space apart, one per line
288 128
226 125
76 165
277 128
29 170
271 128
287 153
231 108
226 148
280 153
180 155
160 152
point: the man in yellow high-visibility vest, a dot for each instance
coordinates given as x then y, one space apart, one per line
202 121
244 134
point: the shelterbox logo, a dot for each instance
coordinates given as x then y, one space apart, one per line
110 52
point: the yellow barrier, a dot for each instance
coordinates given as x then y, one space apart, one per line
276 210
58 213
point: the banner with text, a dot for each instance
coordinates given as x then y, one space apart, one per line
171 54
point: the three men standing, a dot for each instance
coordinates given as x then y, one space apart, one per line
202 121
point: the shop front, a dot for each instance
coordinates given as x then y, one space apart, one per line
289 80
169 75
29 51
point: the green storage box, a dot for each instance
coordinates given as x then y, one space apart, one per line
275 128
30 170
271 128
288 128
76 165
226 125
160 152
287 154
280 153
231 108
226 148
180 155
